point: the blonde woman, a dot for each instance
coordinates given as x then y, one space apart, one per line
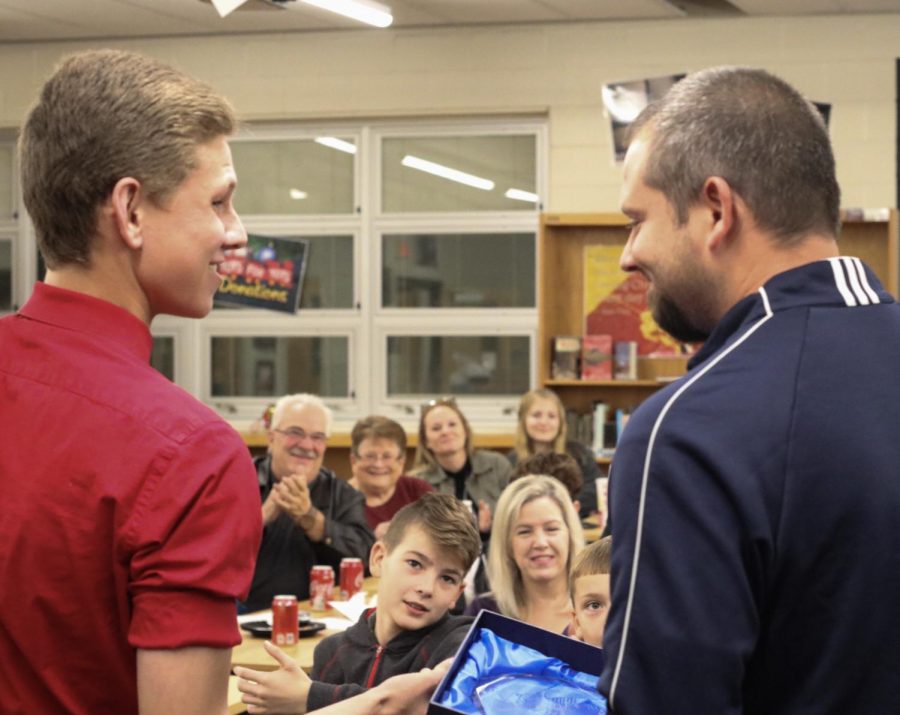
536 535
446 459
541 429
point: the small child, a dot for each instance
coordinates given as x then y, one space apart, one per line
420 562
589 588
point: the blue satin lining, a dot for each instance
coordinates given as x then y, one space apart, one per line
500 676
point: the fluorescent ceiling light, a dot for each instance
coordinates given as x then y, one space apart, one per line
338 144
521 195
445 172
296 194
372 13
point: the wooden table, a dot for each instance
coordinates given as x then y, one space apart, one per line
250 653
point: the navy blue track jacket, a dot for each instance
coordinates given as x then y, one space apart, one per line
756 513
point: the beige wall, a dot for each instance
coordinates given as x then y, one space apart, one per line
553 69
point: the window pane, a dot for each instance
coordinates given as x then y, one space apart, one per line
6 175
274 366
457 365
458 270
328 280
5 276
293 177
507 161
163 355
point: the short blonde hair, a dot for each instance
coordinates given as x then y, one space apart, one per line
524 445
505 577
301 399
103 116
594 559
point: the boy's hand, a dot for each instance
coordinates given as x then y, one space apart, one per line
406 694
280 691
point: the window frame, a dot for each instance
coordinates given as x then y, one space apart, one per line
489 413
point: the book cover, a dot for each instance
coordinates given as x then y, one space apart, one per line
566 351
596 357
625 360
598 443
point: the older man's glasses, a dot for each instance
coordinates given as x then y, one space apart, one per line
295 435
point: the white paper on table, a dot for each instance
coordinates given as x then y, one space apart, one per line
256 616
353 608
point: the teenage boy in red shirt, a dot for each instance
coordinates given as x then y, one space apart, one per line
130 518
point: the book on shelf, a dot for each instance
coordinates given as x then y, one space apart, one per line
580 427
621 420
598 441
596 357
566 351
625 360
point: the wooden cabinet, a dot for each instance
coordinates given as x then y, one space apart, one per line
563 238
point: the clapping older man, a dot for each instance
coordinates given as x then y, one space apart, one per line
310 515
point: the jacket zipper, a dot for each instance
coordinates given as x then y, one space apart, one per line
370 682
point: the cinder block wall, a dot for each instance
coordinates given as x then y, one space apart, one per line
555 70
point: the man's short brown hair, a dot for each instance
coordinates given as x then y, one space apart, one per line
561 466
448 522
105 115
593 559
377 427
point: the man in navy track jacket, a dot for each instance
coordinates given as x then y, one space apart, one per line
756 501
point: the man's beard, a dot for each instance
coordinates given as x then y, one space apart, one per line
672 317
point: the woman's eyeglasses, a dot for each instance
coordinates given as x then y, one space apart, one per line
437 402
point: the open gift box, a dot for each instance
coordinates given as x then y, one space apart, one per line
455 693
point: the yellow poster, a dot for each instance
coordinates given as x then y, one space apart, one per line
615 303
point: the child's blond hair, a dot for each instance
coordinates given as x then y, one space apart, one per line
592 560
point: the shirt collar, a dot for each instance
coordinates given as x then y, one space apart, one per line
85 314
836 282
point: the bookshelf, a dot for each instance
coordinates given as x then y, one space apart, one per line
563 238
871 235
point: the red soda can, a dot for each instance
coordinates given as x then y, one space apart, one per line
321 587
351 577
285 620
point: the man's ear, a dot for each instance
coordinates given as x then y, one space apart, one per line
124 203
376 557
718 199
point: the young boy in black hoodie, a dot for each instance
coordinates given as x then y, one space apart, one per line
421 561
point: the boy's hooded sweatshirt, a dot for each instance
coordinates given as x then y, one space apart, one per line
346 664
